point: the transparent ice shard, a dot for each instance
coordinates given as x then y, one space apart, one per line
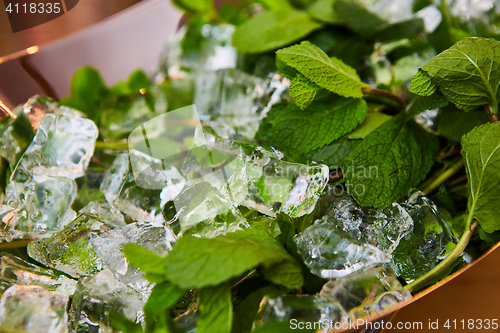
96 296
270 185
366 292
423 248
103 211
203 211
302 308
215 53
233 102
70 249
470 9
383 228
14 270
62 147
331 253
33 309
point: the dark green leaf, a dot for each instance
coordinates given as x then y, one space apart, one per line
333 154
272 29
328 73
490 238
122 324
162 297
216 310
481 152
200 262
302 131
358 17
453 123
281 327
138 80
389 161
432 102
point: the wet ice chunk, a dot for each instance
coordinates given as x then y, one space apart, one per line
202 210
233 102
423 248
96 296
366 292
62 147
103 211
70 250
33 309
14 270
302 308
383 228
270 185
330 253
215 53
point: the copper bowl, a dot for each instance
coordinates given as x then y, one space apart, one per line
135 37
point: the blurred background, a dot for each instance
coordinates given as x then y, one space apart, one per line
104 35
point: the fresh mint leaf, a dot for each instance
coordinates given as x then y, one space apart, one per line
453 123
271 30
372 121
282 327
490 238
302 91
163 296
481 152
468 73
216 310
421 84
389 161
194 6
264 134
138 80
143 259
432 102
201 262
333 154
323 10
329 73
122 324
358 17
302 131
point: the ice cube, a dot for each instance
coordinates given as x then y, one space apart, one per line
216 52
41 203
271 185
96 296
233 102
383 228
14 270
366 292
70 250
203 211
302 308
423 248
103 211
330 253
15 136
33 309
62 147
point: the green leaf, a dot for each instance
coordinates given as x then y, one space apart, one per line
216 310
194 6
371 122
358 17
122 324
453 123
264 135
421 84
145 260
389 161
432 102
201 262
282 327
328 73
490 238
271 30
323 11
332 155
163 296
468 73
138 80
302 91
481 152
301 131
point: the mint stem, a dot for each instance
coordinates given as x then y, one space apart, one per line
493 112
447 262
444 177
383 93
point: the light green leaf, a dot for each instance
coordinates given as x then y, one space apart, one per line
270 30
195 6
216 310
323 11
145 260
421 84
332 155
468 73
371 122
481 152
389 161
328 73
318 125
201 262
302 91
